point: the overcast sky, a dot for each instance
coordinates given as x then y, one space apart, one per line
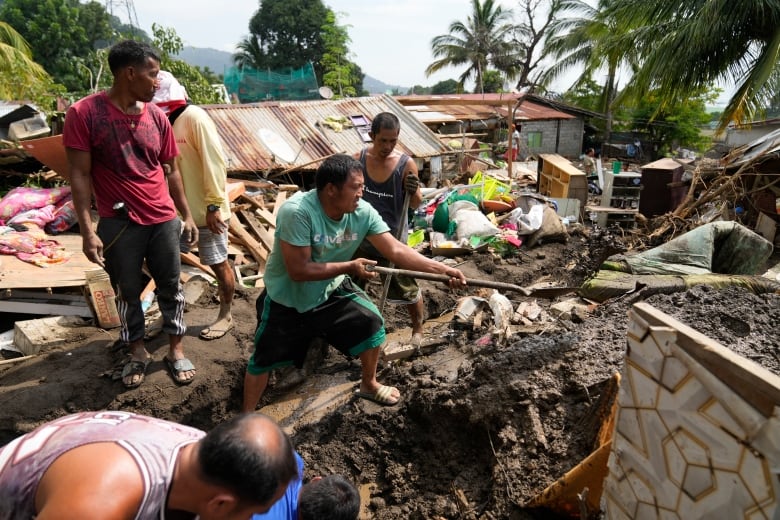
391 39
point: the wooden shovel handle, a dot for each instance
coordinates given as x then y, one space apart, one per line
444 278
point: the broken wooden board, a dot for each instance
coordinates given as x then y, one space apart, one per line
235 190
17 274
194 261
254 224
247 240
32 336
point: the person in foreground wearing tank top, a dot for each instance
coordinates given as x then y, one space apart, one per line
113 464
390 176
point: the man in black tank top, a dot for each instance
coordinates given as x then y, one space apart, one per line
389 177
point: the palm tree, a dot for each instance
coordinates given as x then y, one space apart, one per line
17 68
249 55
475 43
696 43
590 39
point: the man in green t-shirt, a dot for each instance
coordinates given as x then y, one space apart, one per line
309 292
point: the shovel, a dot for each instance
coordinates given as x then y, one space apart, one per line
540 292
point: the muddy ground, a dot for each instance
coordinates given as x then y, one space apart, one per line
482 427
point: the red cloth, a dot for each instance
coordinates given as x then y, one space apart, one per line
127 156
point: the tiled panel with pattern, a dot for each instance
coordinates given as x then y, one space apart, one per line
686 444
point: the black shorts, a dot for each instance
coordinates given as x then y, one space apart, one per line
347 320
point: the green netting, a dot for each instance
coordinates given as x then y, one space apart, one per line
251 85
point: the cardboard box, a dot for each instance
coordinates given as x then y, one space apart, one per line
103 298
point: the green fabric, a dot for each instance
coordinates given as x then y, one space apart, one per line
717 247
718 254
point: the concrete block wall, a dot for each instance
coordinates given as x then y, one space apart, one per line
563 136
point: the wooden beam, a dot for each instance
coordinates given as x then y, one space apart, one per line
265 236
15 360
280 198
254 247
235 189
263 185
191 259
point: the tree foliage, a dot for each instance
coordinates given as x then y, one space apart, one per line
493 81
61 34
286 34
21 78
338 72
476 43
673 124
448 86
690 44
168 43
593 39
525 53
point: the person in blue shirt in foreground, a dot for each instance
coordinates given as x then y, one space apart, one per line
322 498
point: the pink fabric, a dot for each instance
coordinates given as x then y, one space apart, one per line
40 217
23 199
127 156
28 247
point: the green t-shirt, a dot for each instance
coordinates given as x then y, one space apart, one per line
301 221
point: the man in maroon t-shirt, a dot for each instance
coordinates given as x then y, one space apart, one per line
121 147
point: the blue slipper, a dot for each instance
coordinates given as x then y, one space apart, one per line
176 368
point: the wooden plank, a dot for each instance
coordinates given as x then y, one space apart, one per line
265 236
260 210
15 360
252 201
16 274
254 247
235 189
45 308
280 198
194 261
267 216
262 185
609 209
21 294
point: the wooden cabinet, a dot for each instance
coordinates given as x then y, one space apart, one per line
559 178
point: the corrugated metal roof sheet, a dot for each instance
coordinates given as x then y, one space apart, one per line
765 147
15 111
299 125
442 109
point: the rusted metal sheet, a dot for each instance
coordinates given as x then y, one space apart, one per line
463 107
300 125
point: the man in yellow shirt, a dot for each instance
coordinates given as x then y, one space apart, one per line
202 166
